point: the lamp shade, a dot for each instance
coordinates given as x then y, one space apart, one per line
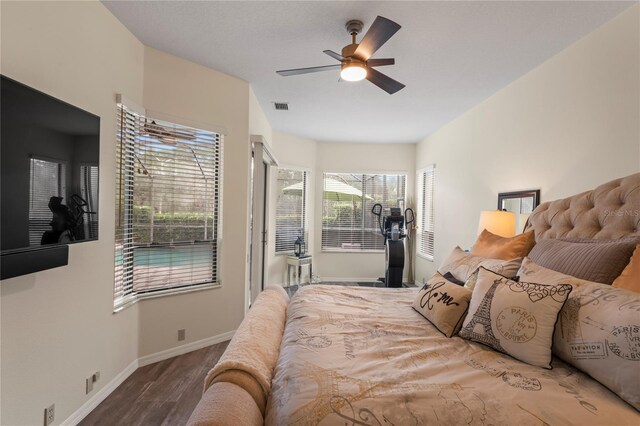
498 222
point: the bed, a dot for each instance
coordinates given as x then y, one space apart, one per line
364 356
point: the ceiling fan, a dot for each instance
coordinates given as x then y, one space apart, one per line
355 62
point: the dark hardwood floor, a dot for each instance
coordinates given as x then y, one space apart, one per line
164 393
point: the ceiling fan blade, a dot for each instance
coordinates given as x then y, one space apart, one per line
334 55
384 82
297 71
381 30
381 62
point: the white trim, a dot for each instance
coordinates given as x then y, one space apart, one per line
121 99
426 169
134 298
345 171
266 148
296 168
103 393
200 125
425 257
341 250
179 350
100 396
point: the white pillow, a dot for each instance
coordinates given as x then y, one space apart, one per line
516 318
598 331
462 265
443 303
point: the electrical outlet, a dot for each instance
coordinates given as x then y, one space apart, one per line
182 334
49 414
89 385
95 377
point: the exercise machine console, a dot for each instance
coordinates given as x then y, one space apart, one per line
394 230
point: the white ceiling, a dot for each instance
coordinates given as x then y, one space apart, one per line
451 55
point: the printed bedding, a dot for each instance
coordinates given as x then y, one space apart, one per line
363 356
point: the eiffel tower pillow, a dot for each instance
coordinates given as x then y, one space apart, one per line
517 318
443 303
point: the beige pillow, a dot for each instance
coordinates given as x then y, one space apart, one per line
497 247
629 279
516 318
462 265
443 303
598 331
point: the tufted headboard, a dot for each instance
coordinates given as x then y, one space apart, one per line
610 211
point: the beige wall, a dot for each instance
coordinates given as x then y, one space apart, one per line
365 158
57 325
180 88
321 157
565 127
292 152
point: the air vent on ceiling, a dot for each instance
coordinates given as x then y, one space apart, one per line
281 106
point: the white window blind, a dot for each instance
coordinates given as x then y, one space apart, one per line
89 193
47 180
347 221
168 206
291 216
426 227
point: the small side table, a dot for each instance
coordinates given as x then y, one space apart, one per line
299 262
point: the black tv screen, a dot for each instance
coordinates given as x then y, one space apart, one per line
49 154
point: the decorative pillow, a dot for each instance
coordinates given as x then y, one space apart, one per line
449 277
598 331
497 247
600 261
629 279
462 265
443 303
471 281
516 318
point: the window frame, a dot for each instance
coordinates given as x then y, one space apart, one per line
131 297
324 249
305 211
62 166
421 176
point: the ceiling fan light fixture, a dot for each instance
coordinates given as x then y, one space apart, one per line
353 72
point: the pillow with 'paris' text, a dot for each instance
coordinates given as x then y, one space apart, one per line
514 317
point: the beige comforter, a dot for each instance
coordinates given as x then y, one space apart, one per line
363 356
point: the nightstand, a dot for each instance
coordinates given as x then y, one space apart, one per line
297 263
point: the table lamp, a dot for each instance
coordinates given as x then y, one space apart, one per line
498 222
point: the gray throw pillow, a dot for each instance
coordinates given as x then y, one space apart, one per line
600 261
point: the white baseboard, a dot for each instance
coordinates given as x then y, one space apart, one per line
179 350
103 393
100 396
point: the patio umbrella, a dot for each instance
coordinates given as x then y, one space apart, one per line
334 190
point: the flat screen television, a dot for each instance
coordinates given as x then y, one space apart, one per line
49 159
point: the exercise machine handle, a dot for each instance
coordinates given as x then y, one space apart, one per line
406 216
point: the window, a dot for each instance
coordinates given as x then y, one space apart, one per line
47 179
168 205
291 216
89 193
425 235
347 221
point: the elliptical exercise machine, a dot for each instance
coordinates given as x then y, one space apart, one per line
394 232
